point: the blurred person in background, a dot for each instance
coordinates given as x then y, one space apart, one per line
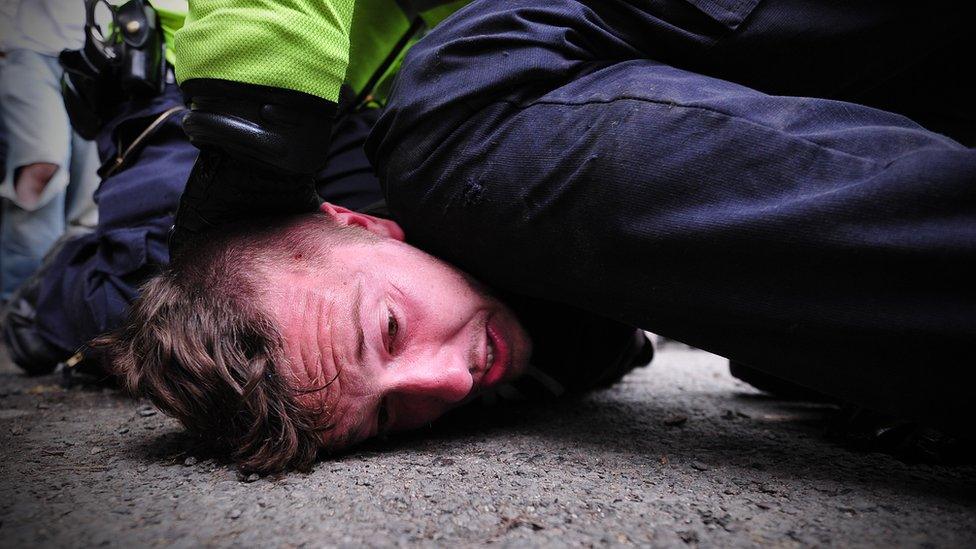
49 171
6 14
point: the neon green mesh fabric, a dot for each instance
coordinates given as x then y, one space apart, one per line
301 45
376 28
171 20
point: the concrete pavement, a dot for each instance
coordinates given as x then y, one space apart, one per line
677 454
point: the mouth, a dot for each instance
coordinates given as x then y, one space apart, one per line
497 354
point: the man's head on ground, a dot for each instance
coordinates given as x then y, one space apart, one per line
279 337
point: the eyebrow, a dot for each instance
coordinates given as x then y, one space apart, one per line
357 320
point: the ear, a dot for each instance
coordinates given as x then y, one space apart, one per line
375 225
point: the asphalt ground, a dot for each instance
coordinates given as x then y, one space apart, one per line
677 454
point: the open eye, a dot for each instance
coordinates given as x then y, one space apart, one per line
392 329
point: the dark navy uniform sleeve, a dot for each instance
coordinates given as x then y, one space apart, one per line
576 152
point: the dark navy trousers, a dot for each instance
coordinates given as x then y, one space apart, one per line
729 173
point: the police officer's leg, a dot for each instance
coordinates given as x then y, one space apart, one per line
898 56
893 55
821 48
825 48
828 243
96 277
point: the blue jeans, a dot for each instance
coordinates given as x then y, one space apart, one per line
38 131
709 170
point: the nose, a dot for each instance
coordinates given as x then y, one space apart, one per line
441 375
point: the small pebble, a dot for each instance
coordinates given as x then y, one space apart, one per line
675 420
253 477
147 412
17 431
123 430
688 536
96 450
190 461
699 466
235 514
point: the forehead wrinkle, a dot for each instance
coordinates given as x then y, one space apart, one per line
340 362
333 381
293 321
327 344
351 419
308 313
310 354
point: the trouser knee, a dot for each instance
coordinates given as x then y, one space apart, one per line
30 181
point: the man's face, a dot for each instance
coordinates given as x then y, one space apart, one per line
402 336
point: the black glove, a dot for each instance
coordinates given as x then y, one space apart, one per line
260 150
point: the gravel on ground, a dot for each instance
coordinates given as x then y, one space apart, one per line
677 454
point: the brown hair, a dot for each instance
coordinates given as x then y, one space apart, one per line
200 345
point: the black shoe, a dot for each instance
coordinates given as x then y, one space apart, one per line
911 442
